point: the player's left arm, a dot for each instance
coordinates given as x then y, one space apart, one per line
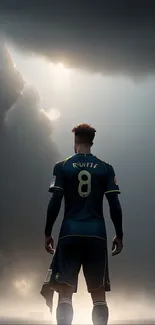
57 190
112 190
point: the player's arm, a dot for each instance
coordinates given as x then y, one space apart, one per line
57 190
111 192
52 212
115 213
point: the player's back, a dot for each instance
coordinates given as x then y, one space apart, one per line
84 187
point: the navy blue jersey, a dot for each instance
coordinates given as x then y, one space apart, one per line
83 179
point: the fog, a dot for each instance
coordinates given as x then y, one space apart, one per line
40 102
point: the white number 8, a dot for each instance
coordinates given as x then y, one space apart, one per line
86 182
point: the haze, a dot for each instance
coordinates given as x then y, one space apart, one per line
41 100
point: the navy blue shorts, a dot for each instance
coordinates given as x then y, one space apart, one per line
72 252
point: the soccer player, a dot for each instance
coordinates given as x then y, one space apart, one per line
83 180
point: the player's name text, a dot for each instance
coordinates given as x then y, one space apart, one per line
87 164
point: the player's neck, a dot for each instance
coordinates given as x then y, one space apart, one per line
83 149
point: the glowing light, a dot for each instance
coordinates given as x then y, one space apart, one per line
52 114
82 315
60 66
23 286
61 76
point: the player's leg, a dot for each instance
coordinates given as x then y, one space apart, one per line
66 267
64 313
100 311
95 268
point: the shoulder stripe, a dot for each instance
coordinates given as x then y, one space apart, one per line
66 160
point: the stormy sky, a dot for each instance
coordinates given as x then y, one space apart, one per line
106 36
105 75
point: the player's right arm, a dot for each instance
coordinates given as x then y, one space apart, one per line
57 190
111 192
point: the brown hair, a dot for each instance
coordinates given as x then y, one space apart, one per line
85 133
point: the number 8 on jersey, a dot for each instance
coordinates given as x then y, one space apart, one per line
84 187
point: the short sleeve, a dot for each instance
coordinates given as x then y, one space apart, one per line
57 182
111 185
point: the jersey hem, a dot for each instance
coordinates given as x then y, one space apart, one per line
83 236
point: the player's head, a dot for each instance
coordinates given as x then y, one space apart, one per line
84 136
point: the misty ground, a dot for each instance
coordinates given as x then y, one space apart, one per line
10 320
124 308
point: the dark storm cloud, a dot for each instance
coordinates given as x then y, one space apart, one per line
27 158
101 36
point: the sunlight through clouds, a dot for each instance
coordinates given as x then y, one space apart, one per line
61 76
52 114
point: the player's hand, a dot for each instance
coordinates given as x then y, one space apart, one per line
117 246
49 245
